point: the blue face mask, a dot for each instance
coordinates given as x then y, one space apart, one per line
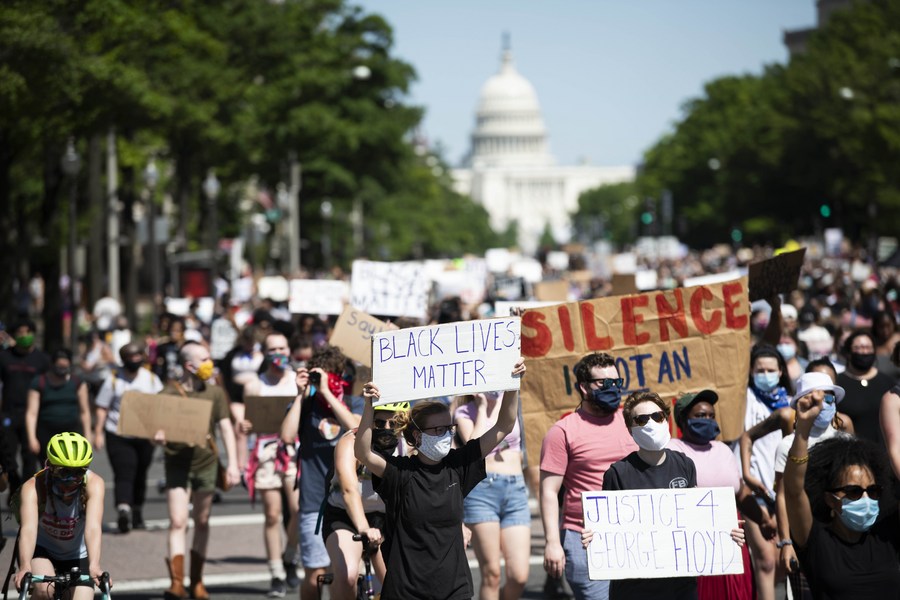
608 399
787 351
859 515
825 415
766 382
702 430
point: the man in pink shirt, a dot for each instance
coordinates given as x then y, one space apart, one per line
575 454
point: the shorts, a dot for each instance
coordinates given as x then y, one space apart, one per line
502 498
180 475
267 475
334 519
313 554
66 566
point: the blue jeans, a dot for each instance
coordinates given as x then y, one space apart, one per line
577 569
498 498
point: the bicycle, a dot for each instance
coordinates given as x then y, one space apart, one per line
63 583
364 582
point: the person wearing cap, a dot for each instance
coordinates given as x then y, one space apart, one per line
695 415
827 425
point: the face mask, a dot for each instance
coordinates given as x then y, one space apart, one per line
282 361
703 430
859 515
787 351
205 370
652 436
825 416
436 447
61 371
25 341
862 362
608 399
384 442
766 382
132 365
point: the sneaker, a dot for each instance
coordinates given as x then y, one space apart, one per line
124 520
137 519
293 579
277 590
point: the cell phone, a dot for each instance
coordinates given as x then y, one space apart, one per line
315 378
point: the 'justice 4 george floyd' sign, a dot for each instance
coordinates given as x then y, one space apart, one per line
640 534
446 360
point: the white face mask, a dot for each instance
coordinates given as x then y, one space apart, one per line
436 447
652 436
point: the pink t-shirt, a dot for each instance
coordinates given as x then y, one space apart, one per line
581 447
513 441
716 464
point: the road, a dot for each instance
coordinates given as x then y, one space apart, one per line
236 565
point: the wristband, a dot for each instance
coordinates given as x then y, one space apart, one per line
783 543
799 460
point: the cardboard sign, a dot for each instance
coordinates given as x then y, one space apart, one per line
647 534
184 420
669 342
353 334
624 283
446 360
266 412
396 289
777 275
318 296
552 291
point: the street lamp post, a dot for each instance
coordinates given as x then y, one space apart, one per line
327 211
151 178
211 188
71 165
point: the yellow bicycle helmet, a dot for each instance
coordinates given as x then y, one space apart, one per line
394 407
69 449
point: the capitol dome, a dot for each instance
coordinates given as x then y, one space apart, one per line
509 128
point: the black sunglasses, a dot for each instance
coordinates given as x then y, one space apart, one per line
385 424
68 472
606 383
439 430
659 417
855 492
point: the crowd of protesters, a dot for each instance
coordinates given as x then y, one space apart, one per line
824 364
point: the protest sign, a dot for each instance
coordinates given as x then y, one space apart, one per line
714 278
509 288
273 287
222 338
552 291
647 534
447 359
266 412
670 342
777 275
353 334
184 420
318 296
397 289
624 283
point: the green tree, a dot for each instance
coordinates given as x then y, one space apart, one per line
607 212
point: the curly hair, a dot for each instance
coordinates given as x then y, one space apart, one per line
328 358
406 422
638 397
829 459
582 368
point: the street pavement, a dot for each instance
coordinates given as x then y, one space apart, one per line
236 564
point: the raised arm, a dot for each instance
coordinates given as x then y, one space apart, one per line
506 415
798 509
890 427
362 448
469 429
290 425
343 414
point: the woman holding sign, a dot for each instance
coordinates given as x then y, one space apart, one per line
423 495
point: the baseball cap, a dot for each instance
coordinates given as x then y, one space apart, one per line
685 401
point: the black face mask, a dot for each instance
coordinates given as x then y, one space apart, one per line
132 365
862 362
61 371
608 400
384 442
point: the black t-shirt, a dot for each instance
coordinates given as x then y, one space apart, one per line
862 403
632 473
423 548
17 371
868 568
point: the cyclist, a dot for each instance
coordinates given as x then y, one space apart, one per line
352 505
61 512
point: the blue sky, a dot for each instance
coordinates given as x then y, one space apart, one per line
611 75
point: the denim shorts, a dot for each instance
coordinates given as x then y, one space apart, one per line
500 498
313 554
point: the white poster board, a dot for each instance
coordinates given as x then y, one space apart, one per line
273 287
446 360
222 338
680 532
318 296
396 289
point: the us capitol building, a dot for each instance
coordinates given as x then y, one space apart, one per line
509 168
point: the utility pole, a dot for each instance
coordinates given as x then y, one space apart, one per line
112 215
294 245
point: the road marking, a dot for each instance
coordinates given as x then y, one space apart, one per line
214 521
139 585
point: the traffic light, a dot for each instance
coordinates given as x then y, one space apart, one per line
825 211
647 217
737 235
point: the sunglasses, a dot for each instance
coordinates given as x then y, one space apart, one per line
606 383
439 430
385 424
68 473
829 398
658 417
855 492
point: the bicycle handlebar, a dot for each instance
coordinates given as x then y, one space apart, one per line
75 576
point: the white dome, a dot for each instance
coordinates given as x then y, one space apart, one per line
508 90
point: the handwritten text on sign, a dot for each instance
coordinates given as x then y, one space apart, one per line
397 289
446 360
661 533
